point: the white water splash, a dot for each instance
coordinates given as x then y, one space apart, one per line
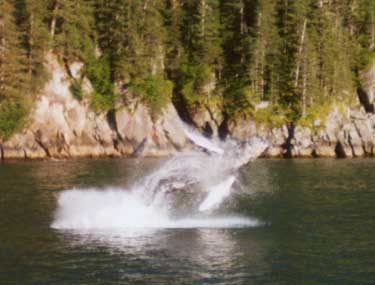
207 175
201 141
217 194
116 209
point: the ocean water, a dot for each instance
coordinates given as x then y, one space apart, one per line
283 222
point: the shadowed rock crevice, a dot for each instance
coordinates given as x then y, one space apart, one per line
314 154
288 145
340 151
111 119
208 131
182 109
112 122
365 101
350 141
140 148
223 129
38 139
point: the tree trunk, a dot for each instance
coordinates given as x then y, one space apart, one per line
203 18
242 16
145 6
372 45
242 29
2 54
262 74
31 44
173 4
304 94
55 8
300 50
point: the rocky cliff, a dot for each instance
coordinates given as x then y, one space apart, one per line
344 133
60 126
349 134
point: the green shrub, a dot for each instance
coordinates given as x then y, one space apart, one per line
316 112
191 96
269 116
366 59
13 114
76 89
98 71
196 78
239 101
100 102
203 75
155 91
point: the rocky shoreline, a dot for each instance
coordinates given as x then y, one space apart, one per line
63 127
347 135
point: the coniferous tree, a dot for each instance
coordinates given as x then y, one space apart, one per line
263 65
174 37
203 55
71 28
298 56
32 18
12 72
235 33
363 27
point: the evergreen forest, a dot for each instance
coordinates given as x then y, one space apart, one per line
297 56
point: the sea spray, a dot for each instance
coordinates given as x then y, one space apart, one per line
207 176
87 210
201 141
216 194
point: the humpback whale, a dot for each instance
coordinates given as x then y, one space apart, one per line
209 168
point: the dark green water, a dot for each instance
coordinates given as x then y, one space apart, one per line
318 228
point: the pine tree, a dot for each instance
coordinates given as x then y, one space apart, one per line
336 48
262 64
203 62
298 55
236 23
71 28
293 24
12 72
363 17
32 17
174 37
114 31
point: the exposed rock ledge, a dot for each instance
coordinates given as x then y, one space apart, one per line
343 135
62 127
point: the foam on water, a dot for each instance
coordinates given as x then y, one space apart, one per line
116 209
150 203
112 208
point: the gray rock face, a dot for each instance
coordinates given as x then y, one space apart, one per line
367 91
147 138
303 145
243 129
62 127
349 134
208 119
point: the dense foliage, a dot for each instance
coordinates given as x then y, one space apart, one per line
295 54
